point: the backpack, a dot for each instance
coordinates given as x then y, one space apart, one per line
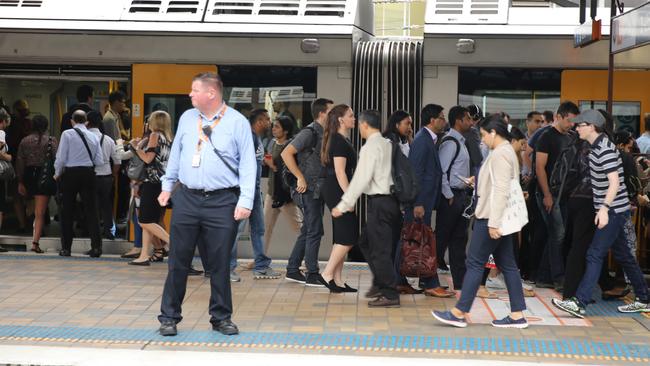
453 160
631 177
565 175
288 179
405 184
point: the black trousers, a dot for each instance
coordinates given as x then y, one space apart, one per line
451 232
105 202
581 229
208 218
378 240
82 181
531 256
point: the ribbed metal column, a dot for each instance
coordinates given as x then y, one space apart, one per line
387 76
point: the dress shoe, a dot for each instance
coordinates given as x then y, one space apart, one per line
130 255
438 292
408 290
383 302
145 263
373 292
194 272
64 253
347 288
611 295
94 253
168 328
225 327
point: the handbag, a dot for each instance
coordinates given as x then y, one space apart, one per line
137 169
7 171
515 214
45 183
418 250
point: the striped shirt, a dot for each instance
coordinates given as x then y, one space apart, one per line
604 159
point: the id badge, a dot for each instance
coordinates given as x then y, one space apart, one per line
196 160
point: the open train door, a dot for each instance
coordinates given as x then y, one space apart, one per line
161 86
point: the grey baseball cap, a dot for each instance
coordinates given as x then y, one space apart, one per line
590 116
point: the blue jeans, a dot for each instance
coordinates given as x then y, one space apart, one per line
551 269
256 220
137 230
311 232
480 248
426 282
611 236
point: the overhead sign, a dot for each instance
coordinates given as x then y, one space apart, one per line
631 29
587 33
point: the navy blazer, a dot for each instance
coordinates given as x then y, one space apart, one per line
426 163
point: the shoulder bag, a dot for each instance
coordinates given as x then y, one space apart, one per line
515 214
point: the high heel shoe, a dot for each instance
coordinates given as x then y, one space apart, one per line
36 248
157 256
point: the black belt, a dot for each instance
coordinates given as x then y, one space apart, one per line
105 176
203 192
379 195
463 190
79 167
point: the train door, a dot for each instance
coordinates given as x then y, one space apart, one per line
161 87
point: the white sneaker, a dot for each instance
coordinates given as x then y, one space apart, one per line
496 282
526 286
635 307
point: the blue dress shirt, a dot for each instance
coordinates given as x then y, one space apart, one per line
232 137
461 167
73 153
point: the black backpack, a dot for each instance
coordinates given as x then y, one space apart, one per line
288 179
566 174
405 184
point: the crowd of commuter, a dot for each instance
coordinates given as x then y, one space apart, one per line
578 181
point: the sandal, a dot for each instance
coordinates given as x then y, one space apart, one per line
157 256
485 294
36 248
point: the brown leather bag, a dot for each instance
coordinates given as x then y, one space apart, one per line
418 251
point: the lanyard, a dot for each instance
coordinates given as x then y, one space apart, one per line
202 136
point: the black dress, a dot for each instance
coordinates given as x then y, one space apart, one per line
345 227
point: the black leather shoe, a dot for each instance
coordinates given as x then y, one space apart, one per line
383 302
168 328
95 253
194 272
373 292
64 253
207 274
225 327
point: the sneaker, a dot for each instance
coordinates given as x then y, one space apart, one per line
508 322
526 286
314 280
448 318
266 274
234 276
571 306
295 277
635 307
496 282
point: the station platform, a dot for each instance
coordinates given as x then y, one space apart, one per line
51 302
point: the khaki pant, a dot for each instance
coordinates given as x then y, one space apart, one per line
289 210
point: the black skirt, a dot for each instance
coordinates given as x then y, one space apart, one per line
345 228
30 179
150 210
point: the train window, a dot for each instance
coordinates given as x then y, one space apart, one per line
174 104
510 90
626 115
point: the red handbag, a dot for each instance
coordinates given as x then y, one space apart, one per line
418 250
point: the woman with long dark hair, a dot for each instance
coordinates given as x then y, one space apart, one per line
399 130
493 191
33 153
339 160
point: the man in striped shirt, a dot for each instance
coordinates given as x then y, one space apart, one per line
613 210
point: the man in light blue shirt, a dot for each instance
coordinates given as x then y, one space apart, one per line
212 170
644 140
74 167
451 225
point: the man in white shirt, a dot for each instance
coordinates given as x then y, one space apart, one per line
104 175
373 178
